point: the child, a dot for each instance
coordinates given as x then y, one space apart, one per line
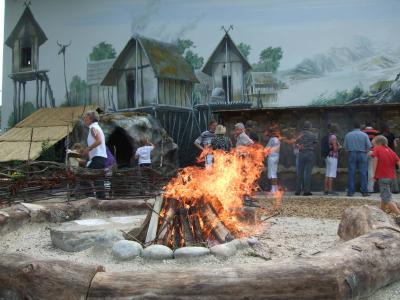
143 153
384 160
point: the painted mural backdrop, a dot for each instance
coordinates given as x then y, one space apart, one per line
301 52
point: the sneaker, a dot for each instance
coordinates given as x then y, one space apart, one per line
326 193
307 194
365 194
297 194
349 195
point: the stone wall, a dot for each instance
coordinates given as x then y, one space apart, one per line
290 121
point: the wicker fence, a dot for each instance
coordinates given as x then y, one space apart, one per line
38 180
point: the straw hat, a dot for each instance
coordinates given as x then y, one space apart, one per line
220 129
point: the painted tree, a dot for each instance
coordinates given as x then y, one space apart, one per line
78 90
184 48
62 49
269 60
28 109
102 51
244 49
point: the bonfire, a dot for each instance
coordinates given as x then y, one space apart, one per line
203 206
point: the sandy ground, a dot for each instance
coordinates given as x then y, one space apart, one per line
305 226
281 237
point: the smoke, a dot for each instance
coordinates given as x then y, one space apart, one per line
192 25
141 20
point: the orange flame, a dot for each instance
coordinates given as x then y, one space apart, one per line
232 176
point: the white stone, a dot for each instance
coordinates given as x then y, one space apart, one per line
224 250
79 235
252 241
105 240
126 250
190 252
158 252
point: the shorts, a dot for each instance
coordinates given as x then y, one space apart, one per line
331 166
384 188
273 167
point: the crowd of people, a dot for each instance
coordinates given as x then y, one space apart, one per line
370 152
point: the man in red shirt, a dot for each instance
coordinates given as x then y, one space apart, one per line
384 160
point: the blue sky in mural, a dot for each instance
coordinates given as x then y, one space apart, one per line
298 26
305 29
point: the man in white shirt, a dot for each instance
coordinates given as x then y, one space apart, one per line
96 150
242 139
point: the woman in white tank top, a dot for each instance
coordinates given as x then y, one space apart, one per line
96 150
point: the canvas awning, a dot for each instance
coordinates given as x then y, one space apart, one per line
46 124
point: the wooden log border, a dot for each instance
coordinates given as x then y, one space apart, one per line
17 215
352 270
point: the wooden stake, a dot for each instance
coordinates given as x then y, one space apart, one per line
152 231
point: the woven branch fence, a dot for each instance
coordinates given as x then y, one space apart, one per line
41 180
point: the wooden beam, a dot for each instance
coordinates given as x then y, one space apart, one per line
152 230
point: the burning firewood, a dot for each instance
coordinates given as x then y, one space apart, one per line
203 206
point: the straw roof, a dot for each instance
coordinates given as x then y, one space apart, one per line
164 58
46 124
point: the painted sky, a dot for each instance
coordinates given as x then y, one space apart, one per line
301 27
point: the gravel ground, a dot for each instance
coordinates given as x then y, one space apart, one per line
280 237
304 226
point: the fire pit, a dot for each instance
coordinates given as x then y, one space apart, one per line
205 206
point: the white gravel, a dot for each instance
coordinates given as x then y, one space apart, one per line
281 237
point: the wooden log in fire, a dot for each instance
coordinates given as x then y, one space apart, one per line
167 224
176 224
186 228
217 227
195 221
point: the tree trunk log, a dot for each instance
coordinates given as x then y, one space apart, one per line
356 268
23 277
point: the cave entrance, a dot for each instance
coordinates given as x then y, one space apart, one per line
119 142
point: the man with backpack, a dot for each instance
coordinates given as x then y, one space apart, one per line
330 153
